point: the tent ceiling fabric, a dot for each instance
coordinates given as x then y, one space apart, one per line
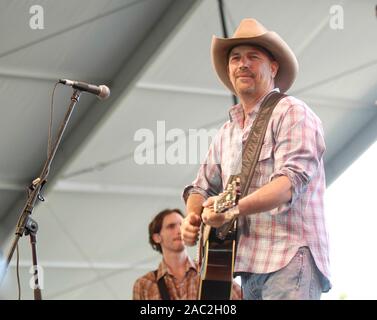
154 55
159 20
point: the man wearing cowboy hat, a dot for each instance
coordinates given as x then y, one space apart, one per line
282 241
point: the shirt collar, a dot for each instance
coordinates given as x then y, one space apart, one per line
236 112
163 268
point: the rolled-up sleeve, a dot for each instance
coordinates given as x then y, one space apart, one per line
190 189
299 149
208 181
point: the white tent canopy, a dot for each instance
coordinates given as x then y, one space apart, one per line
154 55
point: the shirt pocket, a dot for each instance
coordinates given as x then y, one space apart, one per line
264 167
266 152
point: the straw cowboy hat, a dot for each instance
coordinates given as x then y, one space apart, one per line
251 32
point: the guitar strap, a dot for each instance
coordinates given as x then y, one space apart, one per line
254 142
253 147
164 293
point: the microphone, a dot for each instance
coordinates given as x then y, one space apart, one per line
102 91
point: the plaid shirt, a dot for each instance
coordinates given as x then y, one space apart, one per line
293 146
146 288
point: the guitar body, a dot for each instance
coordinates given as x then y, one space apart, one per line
217 267
217 253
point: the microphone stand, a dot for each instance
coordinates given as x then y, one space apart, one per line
26 225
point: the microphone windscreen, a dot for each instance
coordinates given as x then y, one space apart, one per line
105 92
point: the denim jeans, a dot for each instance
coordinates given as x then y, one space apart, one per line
299 280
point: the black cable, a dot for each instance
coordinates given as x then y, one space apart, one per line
18 274
222 18
49 148
49 142
225 33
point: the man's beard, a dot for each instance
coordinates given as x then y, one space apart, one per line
249 90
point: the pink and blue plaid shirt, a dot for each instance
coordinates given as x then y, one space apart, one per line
294 147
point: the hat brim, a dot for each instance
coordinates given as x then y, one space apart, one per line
288 65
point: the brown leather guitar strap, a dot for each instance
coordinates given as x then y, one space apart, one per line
253 145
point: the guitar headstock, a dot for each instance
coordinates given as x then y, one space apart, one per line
229 198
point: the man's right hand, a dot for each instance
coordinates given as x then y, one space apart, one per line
190 229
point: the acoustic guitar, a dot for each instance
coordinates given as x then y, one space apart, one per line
217 249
